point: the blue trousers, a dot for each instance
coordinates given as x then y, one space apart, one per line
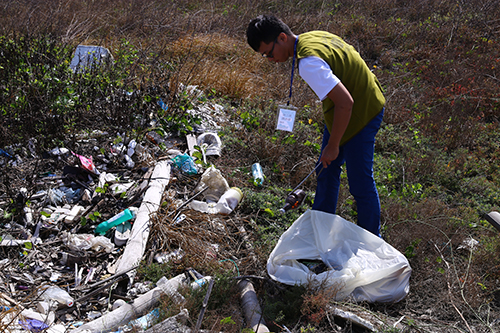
357 154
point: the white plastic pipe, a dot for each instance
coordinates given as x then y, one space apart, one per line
141 305
136 244
251 307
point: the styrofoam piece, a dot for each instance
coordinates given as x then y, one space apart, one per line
77 209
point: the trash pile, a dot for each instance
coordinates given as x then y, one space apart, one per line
79 222
93 214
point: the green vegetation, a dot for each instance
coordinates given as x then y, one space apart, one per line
437 153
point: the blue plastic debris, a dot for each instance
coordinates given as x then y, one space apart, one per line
4 153
145 321
163 105
33 325
186 164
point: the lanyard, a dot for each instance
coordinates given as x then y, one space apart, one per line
293 68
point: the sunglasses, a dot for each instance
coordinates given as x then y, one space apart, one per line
270 53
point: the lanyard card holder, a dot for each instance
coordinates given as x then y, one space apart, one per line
286 117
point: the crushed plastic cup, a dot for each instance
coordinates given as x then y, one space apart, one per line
129 163
131 147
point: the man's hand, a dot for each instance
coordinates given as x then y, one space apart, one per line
342 114
329 154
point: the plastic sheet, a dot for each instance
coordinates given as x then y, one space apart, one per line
79 242
216 183
359 263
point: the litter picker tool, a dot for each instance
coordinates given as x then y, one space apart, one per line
296 197
303 180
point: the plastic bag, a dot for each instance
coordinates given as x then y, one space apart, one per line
359 263
212 142
186 164
81 242
216 183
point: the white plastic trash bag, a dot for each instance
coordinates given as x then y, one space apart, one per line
81 242
216 183
360 264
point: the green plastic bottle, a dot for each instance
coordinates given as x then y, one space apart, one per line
118 219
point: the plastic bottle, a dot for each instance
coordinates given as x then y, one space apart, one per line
155 137
258 175
124 216
54 293
198 279
166 257
294 200
229 200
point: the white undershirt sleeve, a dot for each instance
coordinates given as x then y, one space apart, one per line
318 75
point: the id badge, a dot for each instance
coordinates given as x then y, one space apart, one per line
286 118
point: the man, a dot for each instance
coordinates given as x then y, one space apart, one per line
353 108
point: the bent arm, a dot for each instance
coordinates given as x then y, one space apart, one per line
342 114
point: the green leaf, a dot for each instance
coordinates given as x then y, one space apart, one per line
28 245
269 211
227 320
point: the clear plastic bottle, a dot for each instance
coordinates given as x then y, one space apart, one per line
294 200
54 293
258 175
124 216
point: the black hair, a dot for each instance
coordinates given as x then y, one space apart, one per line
265 28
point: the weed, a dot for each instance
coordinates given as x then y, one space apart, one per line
153 272
283 306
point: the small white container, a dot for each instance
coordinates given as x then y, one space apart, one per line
229 200
122 233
